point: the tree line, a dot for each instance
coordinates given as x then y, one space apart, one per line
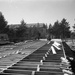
60 29
23 32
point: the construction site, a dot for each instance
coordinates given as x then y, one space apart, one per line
39 57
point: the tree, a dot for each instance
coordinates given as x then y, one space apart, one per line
21 31
29 31
56 29
7 29
72 36
12 35
73 33
74 27
43 31
23 23
50 32
34 32
3 23
60 29
64 28
45 26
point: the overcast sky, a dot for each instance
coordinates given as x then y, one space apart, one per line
34 11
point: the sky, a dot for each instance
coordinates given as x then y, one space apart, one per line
38 11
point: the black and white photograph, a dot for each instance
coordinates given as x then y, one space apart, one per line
37 37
